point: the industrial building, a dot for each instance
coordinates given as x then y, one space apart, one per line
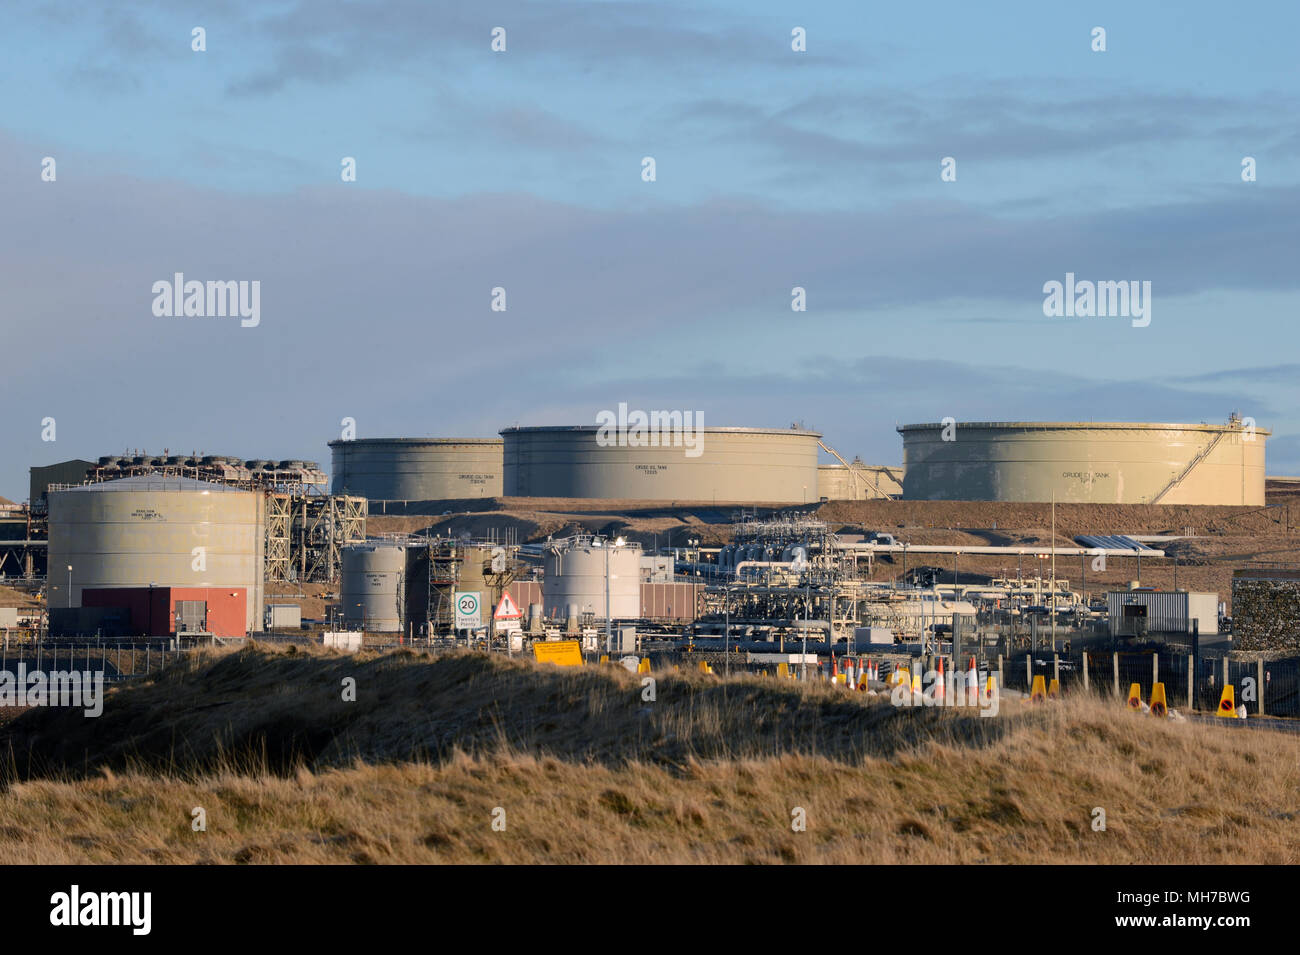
417 469
1085 462
1136 613
733 465
156 531
173 611
305 526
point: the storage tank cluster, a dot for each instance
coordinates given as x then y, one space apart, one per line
162 531
1085 462
732 465
417 469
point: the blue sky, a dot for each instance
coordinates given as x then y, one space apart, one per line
522 170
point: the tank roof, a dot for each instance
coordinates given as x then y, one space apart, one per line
154 482
707 430
374 441
1079 426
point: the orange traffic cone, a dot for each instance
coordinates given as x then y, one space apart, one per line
1228 703
1158 705
1038 692
938 682
972 684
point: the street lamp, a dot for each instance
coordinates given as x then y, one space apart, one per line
609 609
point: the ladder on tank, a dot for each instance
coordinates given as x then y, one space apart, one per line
1179 478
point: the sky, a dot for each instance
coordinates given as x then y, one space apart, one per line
522 169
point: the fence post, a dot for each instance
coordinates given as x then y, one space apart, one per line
1260 684
1114 665
1155 668
1191 683
1056 666
1085 671
1029 672
1001 683
1225 668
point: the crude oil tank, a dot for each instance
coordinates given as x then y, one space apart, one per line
1085 462
417 469
373 586
164 531
574 574
735 465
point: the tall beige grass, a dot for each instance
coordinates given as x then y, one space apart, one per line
586 771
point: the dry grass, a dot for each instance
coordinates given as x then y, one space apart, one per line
588 772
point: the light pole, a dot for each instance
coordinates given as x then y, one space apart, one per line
609 609
726 638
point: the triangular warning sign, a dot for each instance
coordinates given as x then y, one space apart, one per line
507 609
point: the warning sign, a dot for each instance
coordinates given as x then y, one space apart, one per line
507 609
565 653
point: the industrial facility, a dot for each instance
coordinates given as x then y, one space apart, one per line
1084 462
167 545
417 469
151 531
734 465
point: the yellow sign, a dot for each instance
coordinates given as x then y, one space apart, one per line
563 653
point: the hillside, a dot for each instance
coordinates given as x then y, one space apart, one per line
586 771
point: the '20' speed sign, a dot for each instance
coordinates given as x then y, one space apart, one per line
469 614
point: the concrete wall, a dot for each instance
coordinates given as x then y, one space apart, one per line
1081 462
734 465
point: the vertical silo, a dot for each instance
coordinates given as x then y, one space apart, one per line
149 530
373 586
575 571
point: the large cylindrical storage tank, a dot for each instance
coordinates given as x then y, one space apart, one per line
732 465
147 529
860 482
1085 462
575 576
373 586
417 469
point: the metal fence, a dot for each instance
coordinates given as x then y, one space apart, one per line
116 661
1270 685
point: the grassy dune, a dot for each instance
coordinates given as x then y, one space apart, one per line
586 771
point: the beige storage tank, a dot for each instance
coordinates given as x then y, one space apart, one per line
417 469
145 530
373 587
858 482
731 465
1085 462
575 571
